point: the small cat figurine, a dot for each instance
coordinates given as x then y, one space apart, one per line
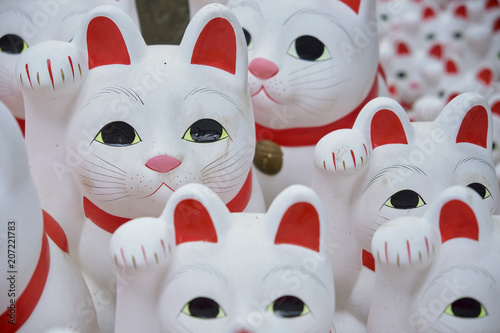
114 127
385 167
197 268
28 22
41 287
312 67
439 272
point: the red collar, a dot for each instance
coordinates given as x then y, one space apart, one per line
309 136
110 222
27 301
368 260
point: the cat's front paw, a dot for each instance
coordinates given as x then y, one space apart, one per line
405 242
140 243
342 150
51 65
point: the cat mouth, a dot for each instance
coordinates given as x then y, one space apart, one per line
159 187
263 90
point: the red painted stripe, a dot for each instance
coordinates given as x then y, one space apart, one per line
49 67
72 69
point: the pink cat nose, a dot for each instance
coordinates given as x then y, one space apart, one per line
163 163
263 68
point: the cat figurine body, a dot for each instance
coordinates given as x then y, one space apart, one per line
114 127
199 268
312 66
42 288
385 167
439 272
28 22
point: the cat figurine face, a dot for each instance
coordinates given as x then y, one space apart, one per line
26 23
39 272
222 272
439 272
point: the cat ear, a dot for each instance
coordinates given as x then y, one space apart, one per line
451 67
296 217
485 76
436 51
353 4
468 118
461 12
195 214
402 49
111 38
428 13
384 122
214 38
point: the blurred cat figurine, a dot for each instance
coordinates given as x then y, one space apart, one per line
198 268
116 126
439 272
387 167
41 287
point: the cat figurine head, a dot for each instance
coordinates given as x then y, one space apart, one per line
223 272
439 272
26 23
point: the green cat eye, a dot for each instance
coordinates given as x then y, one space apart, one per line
405 199
466 308
288 307
205 131
309 48
480 189
203 308
12 44
248 39
117 134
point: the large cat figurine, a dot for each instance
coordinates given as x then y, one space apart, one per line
24 23
199 269
439 272
312 67
114 127
41 287
385 167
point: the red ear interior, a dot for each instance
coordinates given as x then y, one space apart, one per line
495 108
474 127
436 51
386 128
485 76
428 13
193 223
402 48
216 46
353 4
461 12
300 226
457 220
451 67
492 4
105 43
496 25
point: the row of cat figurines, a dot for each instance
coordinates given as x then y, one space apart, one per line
98 160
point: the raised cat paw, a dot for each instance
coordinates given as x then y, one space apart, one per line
342 150
140 243
404 242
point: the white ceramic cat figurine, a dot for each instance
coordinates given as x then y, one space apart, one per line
41 287
439 272
386 167
199 268
28 22
114 127
312 66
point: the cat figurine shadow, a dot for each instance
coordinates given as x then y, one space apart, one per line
42 288
114 127
438 272
387 166
312 67
26 23
199 268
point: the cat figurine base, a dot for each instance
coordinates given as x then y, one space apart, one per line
199 268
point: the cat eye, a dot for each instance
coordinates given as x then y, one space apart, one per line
384 17
309 48
12 44
203 308
118 134
430 36
457 35
401 75
405 199
288 307
466 308
248 38
480 189
205 131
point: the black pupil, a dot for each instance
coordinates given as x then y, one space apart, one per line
466 308
248 38
206 130
401 75
457 35
11 44
479 188
118 133
309 48
203 307
288 306
430 36
405 199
